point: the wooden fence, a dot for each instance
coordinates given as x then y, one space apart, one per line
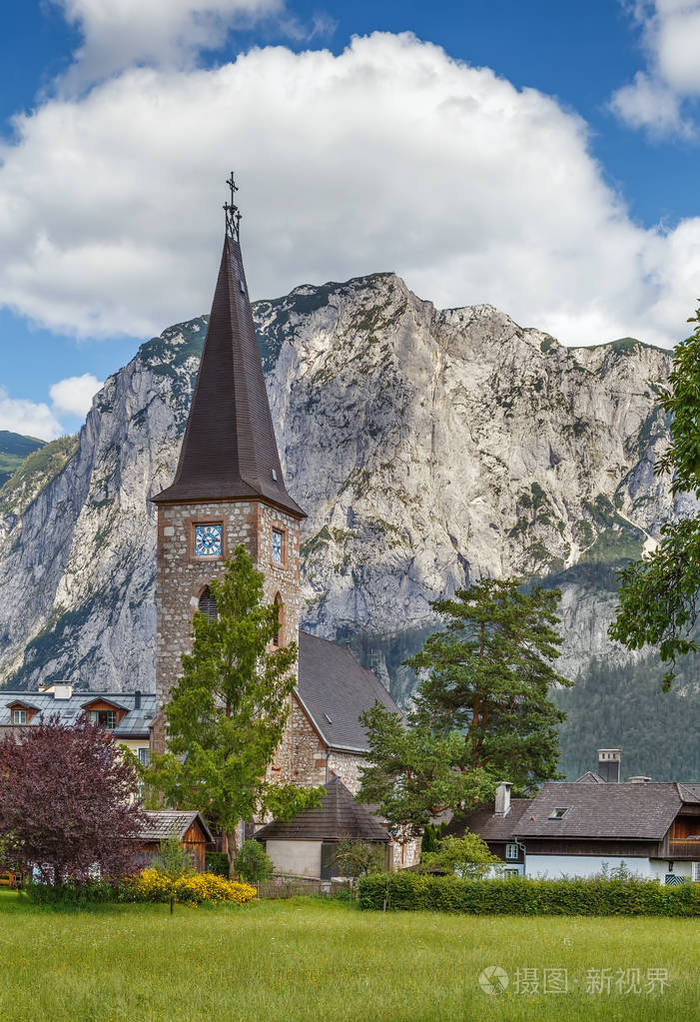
295 887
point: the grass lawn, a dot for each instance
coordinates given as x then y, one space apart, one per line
329 962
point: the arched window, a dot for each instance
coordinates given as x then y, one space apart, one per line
277 637
207 604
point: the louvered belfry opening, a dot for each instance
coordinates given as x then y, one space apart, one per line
207 604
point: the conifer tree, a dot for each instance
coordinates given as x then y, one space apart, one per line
227 713
482 712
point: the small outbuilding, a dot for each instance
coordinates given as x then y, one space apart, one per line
190 827
306 845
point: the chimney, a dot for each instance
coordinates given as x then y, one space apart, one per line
639 779
609 765
503 798
137 699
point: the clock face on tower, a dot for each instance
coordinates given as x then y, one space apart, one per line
207 540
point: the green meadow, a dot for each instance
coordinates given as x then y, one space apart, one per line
328 961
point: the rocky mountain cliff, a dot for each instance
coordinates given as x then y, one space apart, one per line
429 447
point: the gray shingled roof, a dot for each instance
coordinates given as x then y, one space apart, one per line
134 724
335 689
590 777
339 816
160 825
489 825
641 812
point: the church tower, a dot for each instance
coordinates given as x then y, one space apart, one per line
228 487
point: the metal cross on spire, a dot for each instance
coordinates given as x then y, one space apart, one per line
233 215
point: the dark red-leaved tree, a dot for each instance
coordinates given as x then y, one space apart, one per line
67 802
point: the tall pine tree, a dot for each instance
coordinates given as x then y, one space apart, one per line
482 711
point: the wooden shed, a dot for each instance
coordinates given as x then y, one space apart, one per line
190 827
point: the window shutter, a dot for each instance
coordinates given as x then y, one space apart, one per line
672 879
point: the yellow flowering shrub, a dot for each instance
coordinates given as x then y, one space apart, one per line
154 885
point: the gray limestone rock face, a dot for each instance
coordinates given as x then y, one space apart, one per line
428 447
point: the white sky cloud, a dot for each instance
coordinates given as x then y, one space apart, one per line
73 396
671 40
28 418
389 156
119 33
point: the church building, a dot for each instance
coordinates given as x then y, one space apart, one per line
229 489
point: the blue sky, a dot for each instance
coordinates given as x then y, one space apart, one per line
552 149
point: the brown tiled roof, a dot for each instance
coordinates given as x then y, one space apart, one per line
642 812
335 689
160 825
229 449
339 816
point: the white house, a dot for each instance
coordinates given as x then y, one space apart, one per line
580 828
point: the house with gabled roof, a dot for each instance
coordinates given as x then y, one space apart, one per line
128 715
579 828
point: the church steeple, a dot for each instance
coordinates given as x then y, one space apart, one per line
229 451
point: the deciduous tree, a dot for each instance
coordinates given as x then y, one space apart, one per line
67 802
658 595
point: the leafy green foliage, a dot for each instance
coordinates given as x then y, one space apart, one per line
172 859
658 595
253 865
216 862
432 835
467 856
482 712
358 858
523 896
227 713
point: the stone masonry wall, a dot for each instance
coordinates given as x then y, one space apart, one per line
182 576
301 755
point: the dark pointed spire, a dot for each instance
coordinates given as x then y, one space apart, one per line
229 449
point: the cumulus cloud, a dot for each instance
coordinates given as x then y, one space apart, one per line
388 156
28 418
73 396
671 39
119 33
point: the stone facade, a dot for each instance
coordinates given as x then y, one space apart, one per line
301 756
182 576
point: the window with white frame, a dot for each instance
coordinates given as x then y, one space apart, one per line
278 546
512 851
696 872
144 754
558 813
19 716
105 718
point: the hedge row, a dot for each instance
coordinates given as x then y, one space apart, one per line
522 896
